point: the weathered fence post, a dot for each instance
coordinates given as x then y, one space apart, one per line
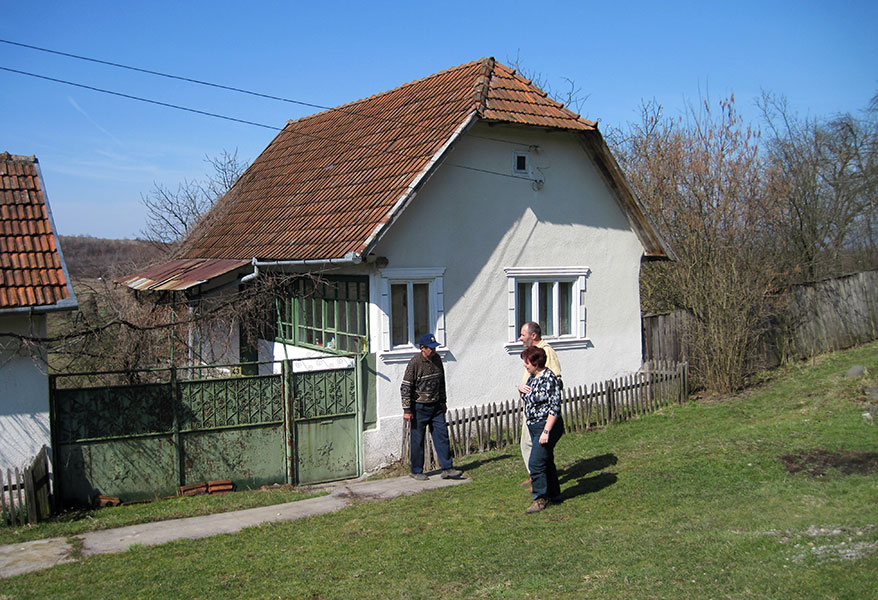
30 495
611 408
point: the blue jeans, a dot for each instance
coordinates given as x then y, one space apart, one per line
543 474
433 415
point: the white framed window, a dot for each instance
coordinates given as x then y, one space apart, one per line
554 297
412 304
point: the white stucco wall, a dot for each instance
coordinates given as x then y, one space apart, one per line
474 225
24 394
304 359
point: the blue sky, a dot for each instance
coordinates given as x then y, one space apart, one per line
99 154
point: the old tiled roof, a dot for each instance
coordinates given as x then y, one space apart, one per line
182 274
32 271
329 184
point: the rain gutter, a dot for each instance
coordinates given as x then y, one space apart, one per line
350 258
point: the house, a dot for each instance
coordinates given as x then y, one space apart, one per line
33 282
465 203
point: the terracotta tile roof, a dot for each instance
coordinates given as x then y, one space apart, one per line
32 272
328 184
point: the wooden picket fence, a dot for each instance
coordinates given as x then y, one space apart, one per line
24 495
492 426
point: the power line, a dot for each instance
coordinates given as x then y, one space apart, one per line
168 75
228 118
232 89
130 97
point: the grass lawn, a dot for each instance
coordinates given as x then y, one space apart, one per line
695 501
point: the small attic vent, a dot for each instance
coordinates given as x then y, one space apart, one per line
521 163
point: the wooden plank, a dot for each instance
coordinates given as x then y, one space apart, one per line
30 495
20 508
3 509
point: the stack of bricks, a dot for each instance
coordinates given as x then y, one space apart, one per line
211 487
220 487
195 489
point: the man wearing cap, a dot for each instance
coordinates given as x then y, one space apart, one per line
423 404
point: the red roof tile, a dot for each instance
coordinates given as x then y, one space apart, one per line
328 182
31 268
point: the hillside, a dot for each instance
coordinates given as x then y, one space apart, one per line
90 257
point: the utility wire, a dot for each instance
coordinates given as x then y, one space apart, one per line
213 85
169 76
231 88
244 121
234 119
130 97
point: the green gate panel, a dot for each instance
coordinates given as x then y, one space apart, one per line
328 449
326 405
131 469
250 457
111 411
221 402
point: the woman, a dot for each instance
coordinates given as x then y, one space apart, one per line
542 410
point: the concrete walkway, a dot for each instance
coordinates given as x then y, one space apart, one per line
43 554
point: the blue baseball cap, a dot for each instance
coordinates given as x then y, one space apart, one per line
428 340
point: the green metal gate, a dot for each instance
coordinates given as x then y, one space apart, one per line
327 422
143 441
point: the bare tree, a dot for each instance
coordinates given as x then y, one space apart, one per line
130 333
171 214
823 176
700 177
570 95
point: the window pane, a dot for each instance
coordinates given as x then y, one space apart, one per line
399 322
330 313
318 313
547 313
353 324
305 312
565 307
421 293
523 304
341 312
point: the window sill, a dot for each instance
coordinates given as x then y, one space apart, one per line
556 343
403 355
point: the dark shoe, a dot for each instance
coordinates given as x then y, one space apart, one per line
537 505
419 476
451 473
556 500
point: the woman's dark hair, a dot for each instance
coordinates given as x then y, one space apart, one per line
535 356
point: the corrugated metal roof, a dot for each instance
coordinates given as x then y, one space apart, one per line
329 181
180 274
32 273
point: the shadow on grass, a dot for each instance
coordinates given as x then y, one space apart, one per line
578 472
483 461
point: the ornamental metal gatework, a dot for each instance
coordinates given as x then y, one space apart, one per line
141 441
327 422
211 403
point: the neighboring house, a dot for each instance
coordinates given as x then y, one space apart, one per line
465 203
33 282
